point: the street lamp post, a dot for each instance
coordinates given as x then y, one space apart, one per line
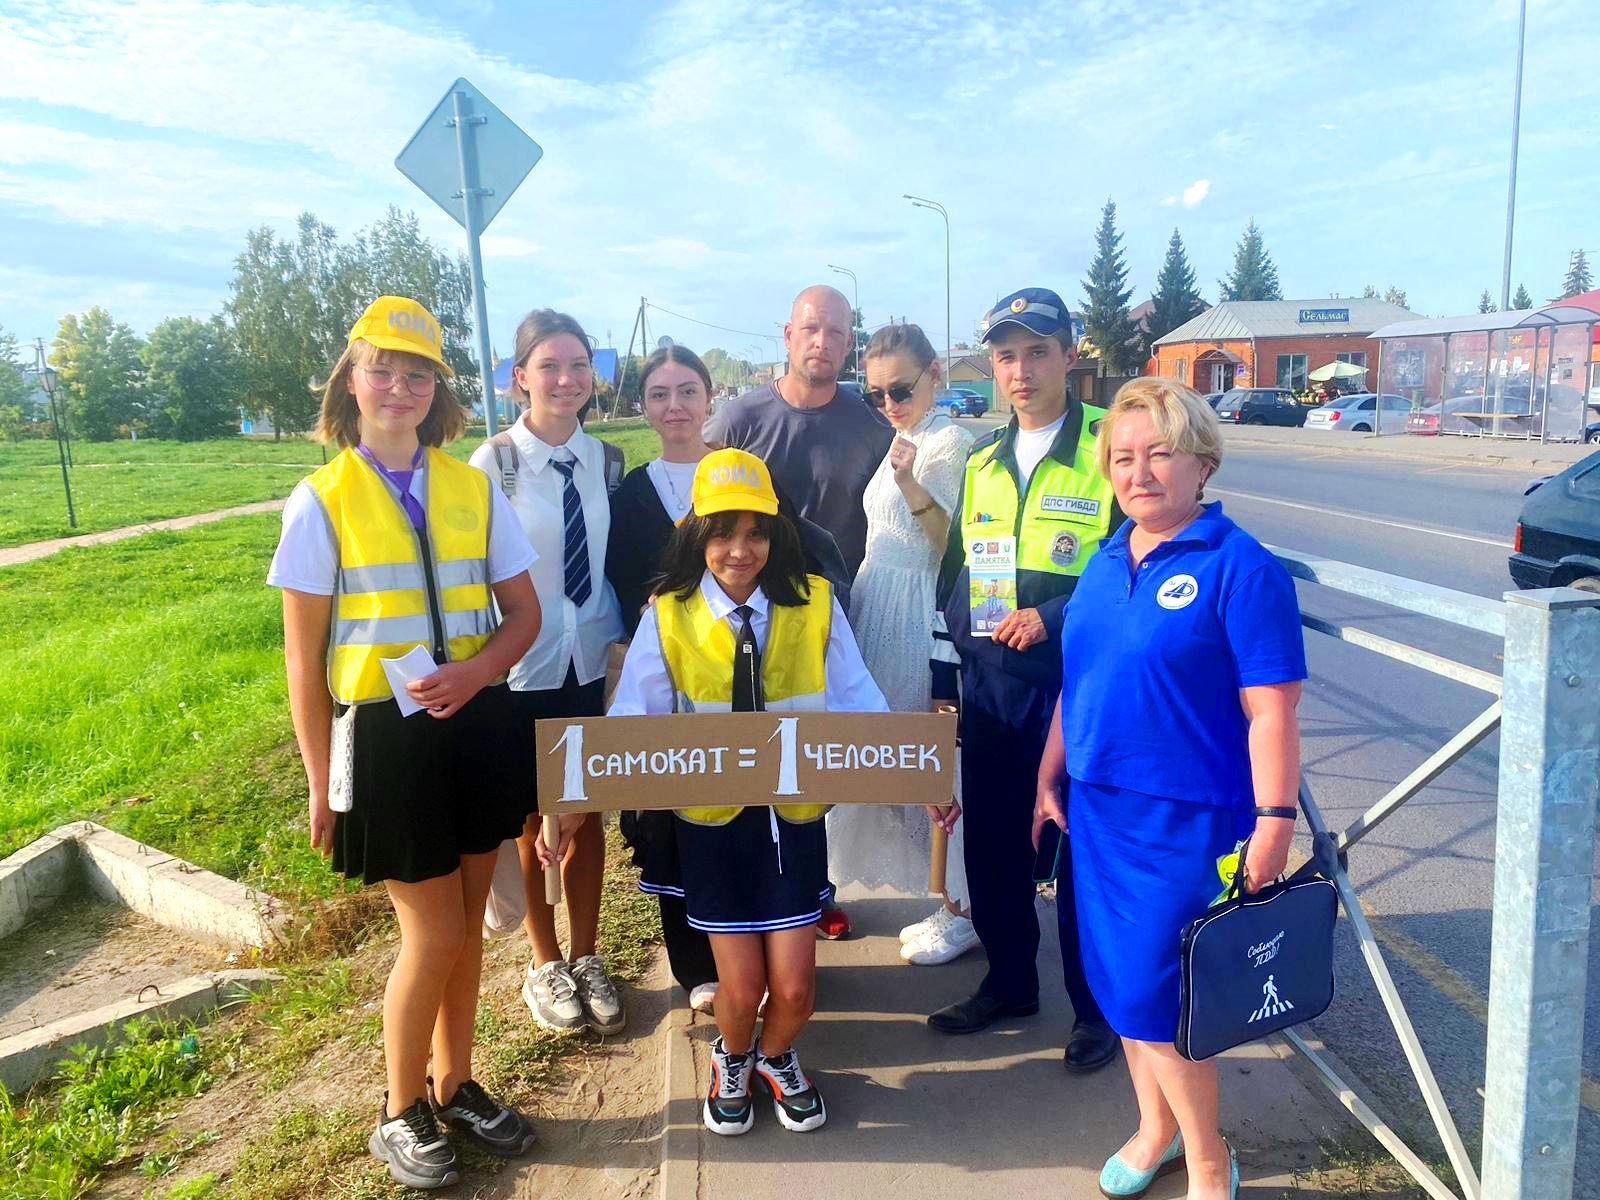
1511 186
855 317
922 202
47 376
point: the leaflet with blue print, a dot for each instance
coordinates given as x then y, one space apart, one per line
992 571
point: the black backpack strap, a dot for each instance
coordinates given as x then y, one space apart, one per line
615 462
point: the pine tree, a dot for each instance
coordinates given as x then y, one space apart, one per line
1177 297
1106 322
1521 300
1395 296
1578 279
1486 305
1254 276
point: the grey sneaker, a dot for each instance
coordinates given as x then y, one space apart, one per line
484 1121
552 996
602 1007
416 1149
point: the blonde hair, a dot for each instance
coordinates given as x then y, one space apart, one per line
1180 414
339 423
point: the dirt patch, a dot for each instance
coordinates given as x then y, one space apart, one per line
84 953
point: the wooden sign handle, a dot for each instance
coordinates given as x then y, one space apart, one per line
938 860
552 875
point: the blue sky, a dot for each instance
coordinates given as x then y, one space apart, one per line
715 155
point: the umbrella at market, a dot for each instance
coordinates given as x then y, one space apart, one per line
1337 370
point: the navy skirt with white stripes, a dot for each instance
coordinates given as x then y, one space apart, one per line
737 878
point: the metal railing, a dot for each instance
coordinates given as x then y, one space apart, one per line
1547 709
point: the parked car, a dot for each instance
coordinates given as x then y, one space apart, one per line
1261 406
1354 414
1591 433
1557 542
961 402
1211 398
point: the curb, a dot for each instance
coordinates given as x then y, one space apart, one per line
26 1058
680 1123
1357 445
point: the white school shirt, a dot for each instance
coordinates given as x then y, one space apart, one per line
674 483
645 688
307 558
568 633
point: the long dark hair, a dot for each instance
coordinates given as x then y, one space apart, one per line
783 579
674 353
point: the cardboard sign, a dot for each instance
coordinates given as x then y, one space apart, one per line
693 760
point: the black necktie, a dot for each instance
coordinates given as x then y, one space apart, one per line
747 695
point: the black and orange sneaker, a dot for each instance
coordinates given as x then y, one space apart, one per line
729 1110
794 1097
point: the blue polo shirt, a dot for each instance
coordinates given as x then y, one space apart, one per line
1153 659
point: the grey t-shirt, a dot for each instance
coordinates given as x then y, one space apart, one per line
822 458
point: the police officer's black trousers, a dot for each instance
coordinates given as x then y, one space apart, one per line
1004 723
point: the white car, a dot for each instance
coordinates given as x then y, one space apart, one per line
1354 413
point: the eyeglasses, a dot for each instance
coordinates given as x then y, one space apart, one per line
383 379
878 397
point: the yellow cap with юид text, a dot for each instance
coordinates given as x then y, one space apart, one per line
398 323
732 481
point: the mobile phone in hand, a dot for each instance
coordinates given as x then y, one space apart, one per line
1047 861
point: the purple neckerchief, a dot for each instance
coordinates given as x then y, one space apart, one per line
402 481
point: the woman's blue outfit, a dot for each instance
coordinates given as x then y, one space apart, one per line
1158 759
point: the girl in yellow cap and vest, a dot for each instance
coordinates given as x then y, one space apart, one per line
738 625
391 547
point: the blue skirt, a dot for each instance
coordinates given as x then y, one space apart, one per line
756 874
1143 867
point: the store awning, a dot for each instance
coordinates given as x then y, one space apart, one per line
1224 355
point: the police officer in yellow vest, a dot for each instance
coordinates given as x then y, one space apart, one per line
1033 509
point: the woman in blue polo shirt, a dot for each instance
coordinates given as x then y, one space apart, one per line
1183 662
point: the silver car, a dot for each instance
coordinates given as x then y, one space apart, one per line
1354 414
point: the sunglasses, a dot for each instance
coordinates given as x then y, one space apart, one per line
878 397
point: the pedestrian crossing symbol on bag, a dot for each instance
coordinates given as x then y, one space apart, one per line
1272 1004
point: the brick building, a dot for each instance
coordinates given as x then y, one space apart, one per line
1273 343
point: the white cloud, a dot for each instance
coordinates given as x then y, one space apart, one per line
1196 192
509 245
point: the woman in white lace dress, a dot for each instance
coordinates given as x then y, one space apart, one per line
908 503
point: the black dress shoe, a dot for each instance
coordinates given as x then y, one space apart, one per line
1091 1046
977 1012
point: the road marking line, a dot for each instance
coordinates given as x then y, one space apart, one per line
1324 510
1455 987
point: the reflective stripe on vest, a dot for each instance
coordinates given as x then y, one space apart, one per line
381 599
1063 519
699 650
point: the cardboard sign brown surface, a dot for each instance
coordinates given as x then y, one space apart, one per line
606 764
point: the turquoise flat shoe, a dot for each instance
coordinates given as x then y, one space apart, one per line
1233 1170
1119 1181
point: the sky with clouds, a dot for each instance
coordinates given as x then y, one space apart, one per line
716 155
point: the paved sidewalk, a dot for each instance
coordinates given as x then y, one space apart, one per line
29 551
989 1115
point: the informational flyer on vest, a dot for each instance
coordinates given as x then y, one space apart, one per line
693 760
992 570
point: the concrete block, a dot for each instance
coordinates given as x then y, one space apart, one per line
26 1058
35 877
208 907
118 868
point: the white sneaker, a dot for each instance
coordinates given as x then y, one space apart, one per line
551 994
928 926
955 939
602 1007
703 997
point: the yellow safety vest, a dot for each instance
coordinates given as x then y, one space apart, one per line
699 651
1062 519
397 589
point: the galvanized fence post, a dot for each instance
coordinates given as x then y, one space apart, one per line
1544 873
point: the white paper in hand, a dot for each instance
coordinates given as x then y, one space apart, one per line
416 663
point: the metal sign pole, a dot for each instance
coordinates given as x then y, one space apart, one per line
467 152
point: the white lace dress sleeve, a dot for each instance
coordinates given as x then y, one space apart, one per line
891 610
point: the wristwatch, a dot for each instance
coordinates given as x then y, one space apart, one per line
1285 814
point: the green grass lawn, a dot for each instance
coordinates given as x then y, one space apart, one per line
126 483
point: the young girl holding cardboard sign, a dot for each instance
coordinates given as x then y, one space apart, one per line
394 547
739 626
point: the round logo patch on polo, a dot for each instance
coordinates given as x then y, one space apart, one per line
1018 304
1178 592
1064 549
459 516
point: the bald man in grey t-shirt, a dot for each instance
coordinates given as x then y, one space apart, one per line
820 439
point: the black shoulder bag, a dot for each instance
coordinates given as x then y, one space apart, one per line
1253 965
